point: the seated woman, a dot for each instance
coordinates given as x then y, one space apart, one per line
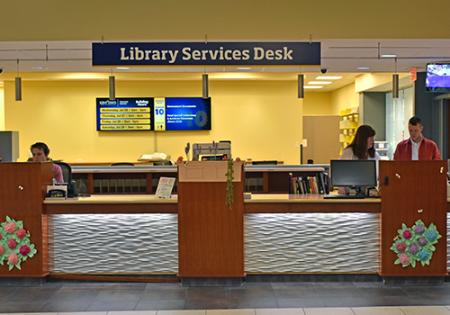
362 146
40 152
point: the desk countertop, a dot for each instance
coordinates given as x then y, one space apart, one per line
113 199
285 198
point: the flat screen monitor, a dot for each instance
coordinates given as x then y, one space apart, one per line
438 77
125 114
182 113
354 173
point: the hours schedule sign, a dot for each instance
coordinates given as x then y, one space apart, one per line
125 114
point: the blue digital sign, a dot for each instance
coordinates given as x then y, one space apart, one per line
182 113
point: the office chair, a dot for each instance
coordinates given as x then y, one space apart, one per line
66 171
67 176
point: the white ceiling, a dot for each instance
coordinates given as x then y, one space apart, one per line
337 56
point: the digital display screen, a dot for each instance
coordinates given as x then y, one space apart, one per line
125 114
182 113
438 77
159 114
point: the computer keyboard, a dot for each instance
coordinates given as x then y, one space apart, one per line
344 197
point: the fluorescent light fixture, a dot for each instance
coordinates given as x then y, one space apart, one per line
301 85
329 77
395 85
18 86
244 68
363 68
123 68
320 82
205 87
389 56
112 88
313 87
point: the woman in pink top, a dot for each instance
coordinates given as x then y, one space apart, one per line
40 152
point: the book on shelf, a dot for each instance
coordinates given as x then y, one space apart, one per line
311 184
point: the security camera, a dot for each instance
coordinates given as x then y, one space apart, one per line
323 70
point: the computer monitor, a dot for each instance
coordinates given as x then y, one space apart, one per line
353 173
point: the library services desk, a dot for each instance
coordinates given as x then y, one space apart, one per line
141 235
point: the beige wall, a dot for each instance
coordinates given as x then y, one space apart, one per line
317 103
222 19
263 119
345 97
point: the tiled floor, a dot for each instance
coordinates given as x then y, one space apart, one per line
404 310
256 298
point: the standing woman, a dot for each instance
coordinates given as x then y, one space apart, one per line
362 146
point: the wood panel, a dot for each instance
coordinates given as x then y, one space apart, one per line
411 191
22 190
303 207
211 235
110 208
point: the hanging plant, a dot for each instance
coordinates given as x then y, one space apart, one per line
229 190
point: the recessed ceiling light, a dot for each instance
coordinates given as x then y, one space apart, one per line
389 56
313 87
320 82
329 77
122 68
363 68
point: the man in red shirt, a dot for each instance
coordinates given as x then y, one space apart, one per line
417 147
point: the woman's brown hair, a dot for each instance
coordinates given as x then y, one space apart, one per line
359 143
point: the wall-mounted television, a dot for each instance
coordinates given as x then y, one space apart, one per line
125 114
182 113
438 77
148 113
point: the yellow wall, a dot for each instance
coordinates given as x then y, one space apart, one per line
2 109
222 19
317 103
263 119
345 97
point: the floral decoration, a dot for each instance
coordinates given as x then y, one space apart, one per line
415 244
15 244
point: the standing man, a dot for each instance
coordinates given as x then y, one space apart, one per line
417 147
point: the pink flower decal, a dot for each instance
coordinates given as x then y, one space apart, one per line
10 227
12 243
24 250
407 234
401 247
21 233
13 259
404 260
15 244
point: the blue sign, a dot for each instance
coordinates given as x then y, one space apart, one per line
182 113
204 54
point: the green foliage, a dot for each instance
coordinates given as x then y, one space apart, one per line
229 198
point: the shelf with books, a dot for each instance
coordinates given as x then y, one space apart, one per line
348 123
305 184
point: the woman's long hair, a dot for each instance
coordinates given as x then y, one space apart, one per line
359 143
